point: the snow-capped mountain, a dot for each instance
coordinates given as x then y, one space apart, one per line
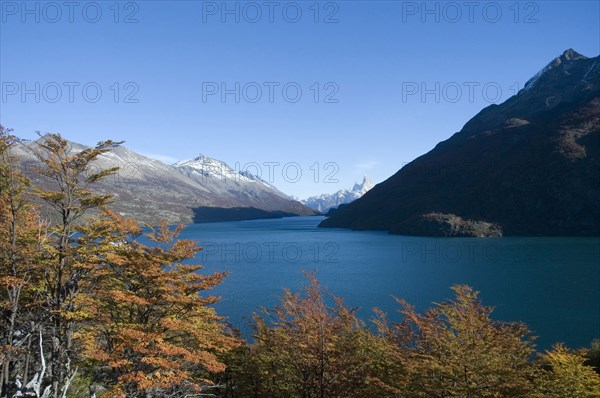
322 203
237 187
198 190
205 169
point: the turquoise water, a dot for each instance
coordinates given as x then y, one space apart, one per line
551 284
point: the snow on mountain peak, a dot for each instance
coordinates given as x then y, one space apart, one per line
325 202
206 168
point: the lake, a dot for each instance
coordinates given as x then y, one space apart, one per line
551 284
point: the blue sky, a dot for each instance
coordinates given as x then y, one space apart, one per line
381 82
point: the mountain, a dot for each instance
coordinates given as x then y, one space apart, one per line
322 203
199 190
529 166
238 188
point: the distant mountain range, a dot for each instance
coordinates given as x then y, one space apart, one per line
323 203
198 190
529 166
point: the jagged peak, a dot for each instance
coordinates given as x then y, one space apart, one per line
365 184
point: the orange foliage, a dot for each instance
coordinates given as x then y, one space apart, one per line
150 324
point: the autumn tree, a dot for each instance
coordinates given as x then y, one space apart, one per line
68 175
565 375
150 331
21 232
306 347
84 290
456 350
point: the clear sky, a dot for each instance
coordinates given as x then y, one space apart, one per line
381 82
